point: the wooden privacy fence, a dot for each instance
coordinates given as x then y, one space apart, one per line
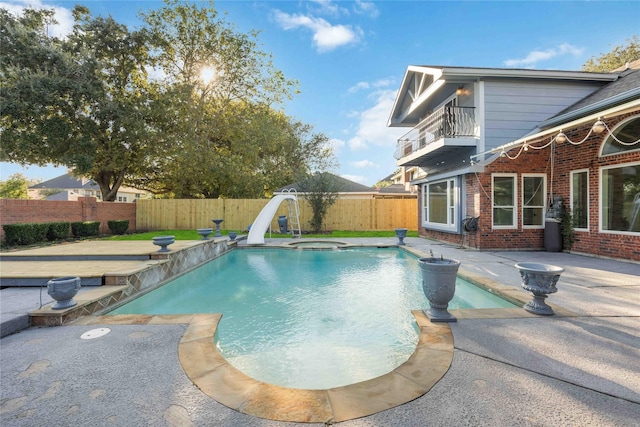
238 214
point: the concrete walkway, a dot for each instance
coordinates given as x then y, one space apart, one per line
579 369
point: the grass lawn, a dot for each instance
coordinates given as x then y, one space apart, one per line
193 234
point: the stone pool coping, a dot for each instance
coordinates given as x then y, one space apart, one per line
218 379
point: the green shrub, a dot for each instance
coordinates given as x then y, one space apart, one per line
118 226
25 234
85 229
58 231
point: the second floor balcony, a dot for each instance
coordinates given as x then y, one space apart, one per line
448 126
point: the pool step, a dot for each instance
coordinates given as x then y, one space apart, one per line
124 285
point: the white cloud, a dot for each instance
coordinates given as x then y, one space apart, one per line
326 7
366 8
377 84
336 145
362 164
358 86
537 55
372 126
62 15
390 81
326 37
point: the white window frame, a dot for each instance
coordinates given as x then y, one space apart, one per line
601 199
513 176
635 148
571 191
544 193
453 203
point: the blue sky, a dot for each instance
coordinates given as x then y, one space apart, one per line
350 56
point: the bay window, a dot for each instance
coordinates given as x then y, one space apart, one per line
439 203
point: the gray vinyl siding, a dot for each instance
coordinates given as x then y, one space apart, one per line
513 109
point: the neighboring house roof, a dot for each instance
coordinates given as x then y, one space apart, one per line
394 189
389 177
63 196
344 185
624 89
67 181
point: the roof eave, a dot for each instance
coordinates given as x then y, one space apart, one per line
452 74
477 73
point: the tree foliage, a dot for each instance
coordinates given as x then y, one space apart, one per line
91 103
617 57
225 130
15 187
81 102
321 192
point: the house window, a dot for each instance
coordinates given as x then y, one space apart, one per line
504 200
627 132
122 198
580 199
439 204
533 196
620 198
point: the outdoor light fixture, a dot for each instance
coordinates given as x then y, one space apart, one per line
598 127
462 91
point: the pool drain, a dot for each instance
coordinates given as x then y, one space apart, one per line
95 333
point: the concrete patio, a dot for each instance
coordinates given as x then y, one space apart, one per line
579 367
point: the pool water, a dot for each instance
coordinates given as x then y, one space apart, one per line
309 319
317 244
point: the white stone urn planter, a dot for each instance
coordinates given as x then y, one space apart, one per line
540 280
439 286
63 289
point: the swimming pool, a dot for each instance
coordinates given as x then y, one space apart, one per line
309 319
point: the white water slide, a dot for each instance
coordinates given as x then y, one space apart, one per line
264 218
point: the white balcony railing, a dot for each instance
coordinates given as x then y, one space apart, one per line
447 122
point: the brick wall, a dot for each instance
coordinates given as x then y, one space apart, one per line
567 158
84 209
586 156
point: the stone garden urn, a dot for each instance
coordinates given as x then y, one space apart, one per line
217 222
163 242
401 233
63 290
540 280
204 232
439 285
233 235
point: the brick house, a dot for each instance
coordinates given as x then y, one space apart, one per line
70 188
501 145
